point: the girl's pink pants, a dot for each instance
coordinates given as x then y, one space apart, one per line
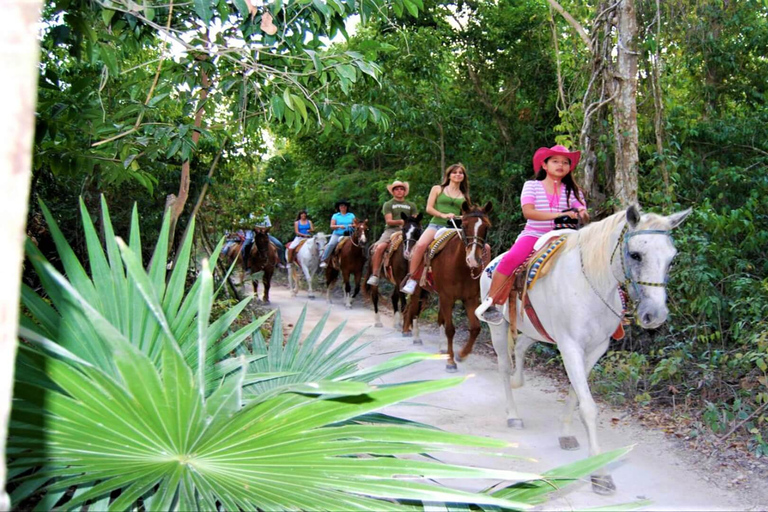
516 255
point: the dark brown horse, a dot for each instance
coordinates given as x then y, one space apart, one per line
261 256
395 271
351 261
456 272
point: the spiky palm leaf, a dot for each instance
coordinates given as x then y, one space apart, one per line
126 396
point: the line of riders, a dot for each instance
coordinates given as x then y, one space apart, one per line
552 194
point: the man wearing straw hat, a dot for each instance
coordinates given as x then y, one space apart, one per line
391 210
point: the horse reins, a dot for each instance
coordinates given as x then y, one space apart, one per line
472 241
352 237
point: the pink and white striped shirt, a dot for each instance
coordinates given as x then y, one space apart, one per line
534 193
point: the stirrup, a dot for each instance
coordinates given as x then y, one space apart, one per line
496 317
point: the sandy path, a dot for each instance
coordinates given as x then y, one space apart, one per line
655 469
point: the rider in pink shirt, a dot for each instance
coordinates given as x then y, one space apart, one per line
543 199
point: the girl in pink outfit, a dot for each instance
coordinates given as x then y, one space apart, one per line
542 200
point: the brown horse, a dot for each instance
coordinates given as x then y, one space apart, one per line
396 271
351 261
261 256
456 272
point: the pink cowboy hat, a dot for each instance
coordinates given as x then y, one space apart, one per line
542 154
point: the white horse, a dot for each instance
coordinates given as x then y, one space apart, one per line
307 259
579 306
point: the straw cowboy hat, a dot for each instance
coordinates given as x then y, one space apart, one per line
398 183
341 202
542 154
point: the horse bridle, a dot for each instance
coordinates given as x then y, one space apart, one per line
626 300
408 242
471 241
356 231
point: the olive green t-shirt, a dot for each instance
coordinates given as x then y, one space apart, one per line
397 207
446 204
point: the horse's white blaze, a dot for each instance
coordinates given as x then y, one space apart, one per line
471 257
578 304
408 236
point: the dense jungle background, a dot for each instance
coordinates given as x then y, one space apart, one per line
142 115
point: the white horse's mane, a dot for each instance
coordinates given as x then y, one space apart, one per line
596 243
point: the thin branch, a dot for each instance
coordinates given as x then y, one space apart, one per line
572 22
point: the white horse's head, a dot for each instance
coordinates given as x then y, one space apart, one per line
320 240
641 259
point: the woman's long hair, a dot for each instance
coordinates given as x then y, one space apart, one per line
463 186
571 187
298 216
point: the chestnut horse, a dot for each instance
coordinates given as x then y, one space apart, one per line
396 271
455 274
351 257
262 256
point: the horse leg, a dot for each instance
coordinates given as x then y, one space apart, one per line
567 440
409 319
292 280
575 366
445 318
522 345
474 326
330 279
375 300
309 276
347 289
396 299
499 334
267 281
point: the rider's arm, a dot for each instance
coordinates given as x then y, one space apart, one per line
431 203
333 223
531 213
296 229
393 222
311 227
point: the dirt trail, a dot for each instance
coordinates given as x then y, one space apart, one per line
656 469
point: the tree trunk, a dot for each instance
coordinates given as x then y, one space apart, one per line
176 202
19 55
658 102
625 106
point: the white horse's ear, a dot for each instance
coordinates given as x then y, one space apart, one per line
633 215
677 218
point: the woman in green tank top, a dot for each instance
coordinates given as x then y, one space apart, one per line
444 203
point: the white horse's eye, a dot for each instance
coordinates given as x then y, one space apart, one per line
636 256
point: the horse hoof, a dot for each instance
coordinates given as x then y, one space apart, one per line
408 335
378 324
459 358
450 368
603 485
310 296
349 307
515 423
569 443
418 341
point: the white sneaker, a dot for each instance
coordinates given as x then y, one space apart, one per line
409 287
323 264
373 280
